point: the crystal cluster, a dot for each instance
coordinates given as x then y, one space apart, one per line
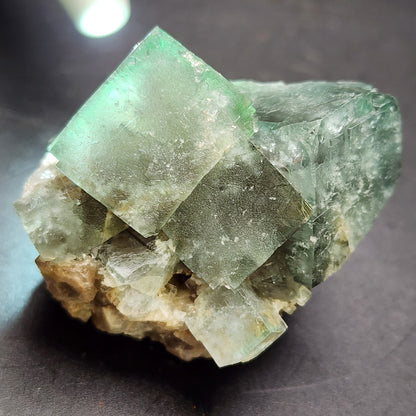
181 206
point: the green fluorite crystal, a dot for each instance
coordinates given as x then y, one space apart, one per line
61 219
235 325
196 210
339 144
148 135
237 216
128 262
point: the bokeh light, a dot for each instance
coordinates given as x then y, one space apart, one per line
97 18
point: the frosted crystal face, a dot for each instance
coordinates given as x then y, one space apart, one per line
130 263
298 102
339 144
235 326
224 219
235 218
61 219
154 128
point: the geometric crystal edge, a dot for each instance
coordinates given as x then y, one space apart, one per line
211 207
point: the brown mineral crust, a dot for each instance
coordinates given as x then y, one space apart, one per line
77 284
73 283
177 340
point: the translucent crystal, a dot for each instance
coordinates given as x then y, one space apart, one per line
61 219
154 128
236 218
235 325
232 216
127 262
339 144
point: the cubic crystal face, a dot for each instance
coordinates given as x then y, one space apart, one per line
344 162
235 325
148 135
75 222
220 221
181 206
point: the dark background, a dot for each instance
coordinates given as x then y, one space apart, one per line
349 351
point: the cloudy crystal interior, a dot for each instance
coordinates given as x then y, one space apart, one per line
194 210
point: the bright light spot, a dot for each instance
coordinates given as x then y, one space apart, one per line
103 18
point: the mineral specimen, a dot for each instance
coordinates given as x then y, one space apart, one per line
61 219
181 206
162 100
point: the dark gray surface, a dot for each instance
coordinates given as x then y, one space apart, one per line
350 351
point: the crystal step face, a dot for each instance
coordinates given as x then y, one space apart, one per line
234 220
339 144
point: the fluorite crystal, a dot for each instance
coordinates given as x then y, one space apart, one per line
195 210
162 100
61 219
220 234
341 151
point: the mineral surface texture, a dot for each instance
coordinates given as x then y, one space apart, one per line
181 206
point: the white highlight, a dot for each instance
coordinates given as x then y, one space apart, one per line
98 18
